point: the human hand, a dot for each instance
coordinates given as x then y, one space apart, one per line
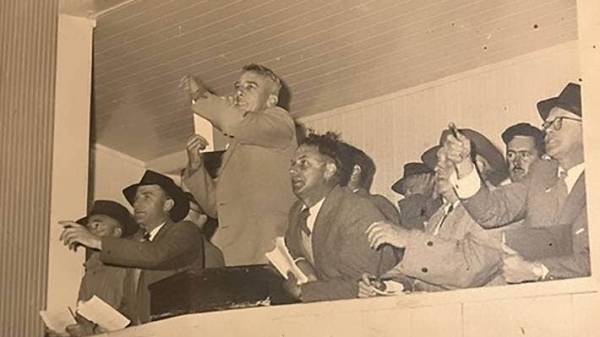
291 286
456 148
517 270
74 234
194 146
366 287
190 86
382 232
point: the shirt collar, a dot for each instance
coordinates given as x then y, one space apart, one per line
572 175
155 231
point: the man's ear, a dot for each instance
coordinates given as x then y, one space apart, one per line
356 172
330 170
168 205
118 232
272 100
482 164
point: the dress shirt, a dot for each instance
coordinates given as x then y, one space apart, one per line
155 231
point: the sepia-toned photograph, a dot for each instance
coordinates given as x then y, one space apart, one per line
299 168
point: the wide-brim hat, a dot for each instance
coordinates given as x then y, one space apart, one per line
410 169
114 210
569 99
181 207
482 146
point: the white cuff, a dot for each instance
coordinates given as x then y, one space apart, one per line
468 185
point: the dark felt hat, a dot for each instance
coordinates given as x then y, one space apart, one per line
410 169
114 210
182 205
569 99
482 146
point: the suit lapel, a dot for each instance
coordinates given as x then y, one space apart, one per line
227 155
575 203
323 222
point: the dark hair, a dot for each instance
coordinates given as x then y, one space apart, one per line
328 145
266 72
352 156
526 130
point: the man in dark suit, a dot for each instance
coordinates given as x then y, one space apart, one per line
252 194
326 233
166 246
553 242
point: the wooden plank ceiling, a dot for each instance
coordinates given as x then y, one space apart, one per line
329 53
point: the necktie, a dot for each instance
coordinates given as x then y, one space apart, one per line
447 211
302 221
561 188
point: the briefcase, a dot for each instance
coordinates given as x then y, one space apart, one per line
217 289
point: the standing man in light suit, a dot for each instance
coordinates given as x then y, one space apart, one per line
553 242
252 195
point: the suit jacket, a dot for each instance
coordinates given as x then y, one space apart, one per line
252 194
383 204
460 255
554 231
176 246
340 246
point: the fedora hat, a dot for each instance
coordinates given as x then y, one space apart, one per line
410 169
481 146
114 210
569 99
181 207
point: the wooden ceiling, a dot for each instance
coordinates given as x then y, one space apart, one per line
329 53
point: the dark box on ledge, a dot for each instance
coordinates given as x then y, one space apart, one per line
217 289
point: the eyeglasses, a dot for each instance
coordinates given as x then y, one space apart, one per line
557 122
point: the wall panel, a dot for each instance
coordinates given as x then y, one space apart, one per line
27 75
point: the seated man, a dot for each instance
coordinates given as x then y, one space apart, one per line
418 202
453 251
553 242
168 245
213 257
524 146
252 194
357 174
106 219
327 225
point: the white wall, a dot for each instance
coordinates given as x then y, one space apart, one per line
70 158
112 171
398 128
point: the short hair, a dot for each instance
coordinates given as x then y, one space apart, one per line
525 130
266 72
328 145
352 156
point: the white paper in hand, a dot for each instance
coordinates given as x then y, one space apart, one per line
101 313
57 321
203 127
282 260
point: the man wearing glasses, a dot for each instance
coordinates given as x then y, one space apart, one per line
553 241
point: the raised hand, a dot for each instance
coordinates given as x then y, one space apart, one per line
194 146
75 234
456 148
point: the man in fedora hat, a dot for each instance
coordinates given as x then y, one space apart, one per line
417 203
252 194
106 219
453 251
168 244
553 242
